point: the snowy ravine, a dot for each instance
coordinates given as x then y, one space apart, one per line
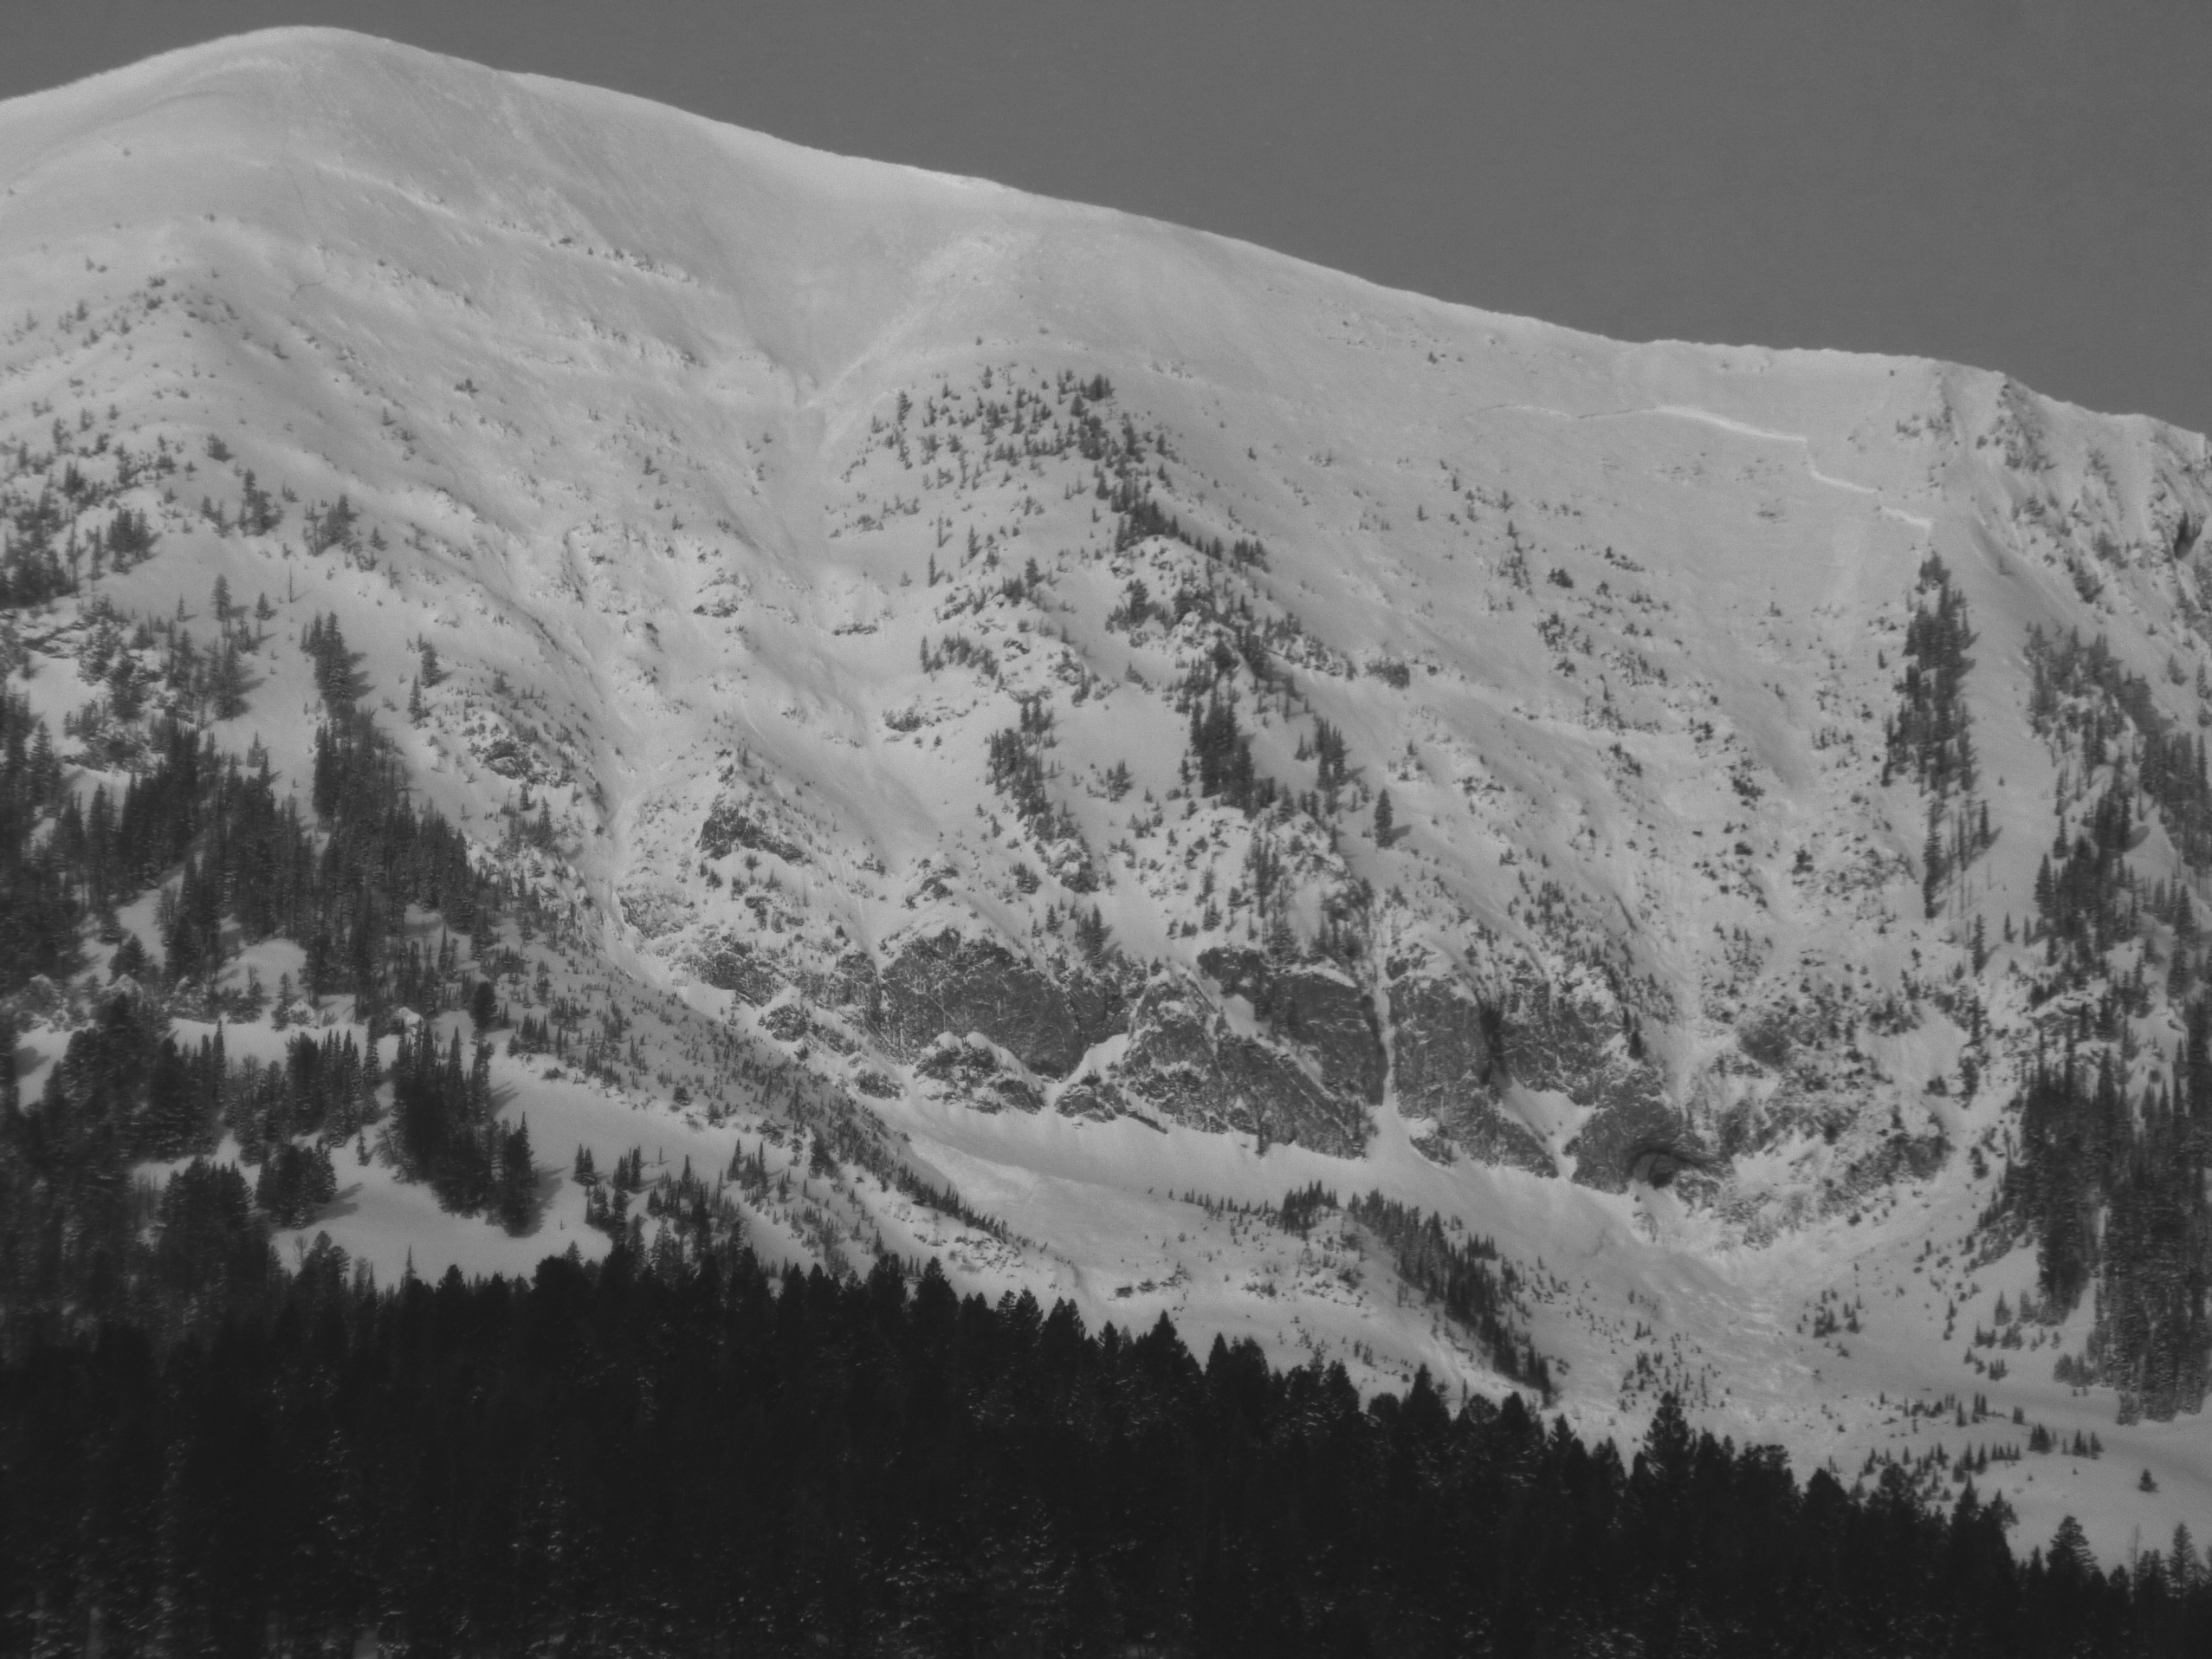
952 650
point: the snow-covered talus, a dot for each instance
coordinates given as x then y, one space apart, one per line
962 643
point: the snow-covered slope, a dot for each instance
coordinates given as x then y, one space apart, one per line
879 580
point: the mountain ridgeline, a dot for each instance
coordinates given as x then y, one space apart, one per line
586 680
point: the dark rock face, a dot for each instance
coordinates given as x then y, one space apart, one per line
1315 1007
729 825
1572 1038
1312 1074
1184 1063
1449 1068
1657 1166
729 964
973 1072
1625 1128
1455 1052
1093 1097
1901 1157
950 983
850 984
789 1023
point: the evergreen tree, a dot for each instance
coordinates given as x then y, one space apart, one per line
516 1198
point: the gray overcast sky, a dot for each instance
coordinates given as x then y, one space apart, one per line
2021 183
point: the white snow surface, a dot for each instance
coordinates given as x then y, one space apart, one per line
620 388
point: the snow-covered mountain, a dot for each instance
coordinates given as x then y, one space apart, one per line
1122 726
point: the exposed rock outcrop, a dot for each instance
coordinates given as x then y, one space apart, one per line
948 982
975 1072
730 825
1185 1063
1573 1035
1444 1047
1314 1006
730 964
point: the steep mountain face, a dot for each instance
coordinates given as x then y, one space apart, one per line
1126 725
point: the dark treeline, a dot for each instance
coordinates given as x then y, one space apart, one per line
700 1216
1016 770
80 1236
2086 1152
1220 758
85 1236
81 1230
40 937
46 542
1464 1276
1930 738
340 884
1139 516
2086 899
2081 691
1058 419
704 1458
2070 1125
2111 1183
2102 718
449 1136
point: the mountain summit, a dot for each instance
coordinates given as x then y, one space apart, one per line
1151 771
